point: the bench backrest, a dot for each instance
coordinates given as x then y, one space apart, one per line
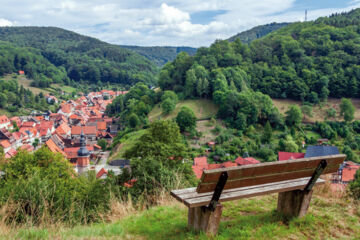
262 173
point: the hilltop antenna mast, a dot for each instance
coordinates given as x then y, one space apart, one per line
305 15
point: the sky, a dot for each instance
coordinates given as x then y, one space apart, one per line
163 23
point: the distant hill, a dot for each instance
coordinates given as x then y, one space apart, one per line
307 61
257 32
84 58
160 55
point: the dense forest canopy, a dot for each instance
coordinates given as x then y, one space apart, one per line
14 59
308 61
160 55
257 32
84 58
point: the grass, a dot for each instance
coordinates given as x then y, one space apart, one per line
319 110
330 217
207 135
203 108
26 84
64 88
126 143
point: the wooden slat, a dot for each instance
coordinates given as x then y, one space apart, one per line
271 167
256 174
249 192
258 180
188 193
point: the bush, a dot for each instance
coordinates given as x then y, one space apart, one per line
355 186
168 106
102 143
41 188
186 119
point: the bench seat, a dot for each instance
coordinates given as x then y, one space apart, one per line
293 180
192 199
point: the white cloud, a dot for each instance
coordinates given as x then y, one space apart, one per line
155 22
5 23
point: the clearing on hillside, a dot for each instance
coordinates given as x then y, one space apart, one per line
207 135
25 82
319 110
203 109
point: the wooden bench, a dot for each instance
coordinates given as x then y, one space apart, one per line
292 179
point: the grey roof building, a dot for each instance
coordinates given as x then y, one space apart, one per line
318 151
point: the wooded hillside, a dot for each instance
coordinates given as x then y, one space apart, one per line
306 61
160 55
257 32
84 58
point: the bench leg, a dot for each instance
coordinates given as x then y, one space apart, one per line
294 203
202 219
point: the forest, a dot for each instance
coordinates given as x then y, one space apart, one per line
83 59
160 55
257 32
307 61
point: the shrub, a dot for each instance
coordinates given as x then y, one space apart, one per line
40 187
168 106
355 186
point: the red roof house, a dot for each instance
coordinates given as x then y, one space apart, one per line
200 161
101 126
289 155
102 173
54 148
349 171
11 153
246 161
27 147
88 130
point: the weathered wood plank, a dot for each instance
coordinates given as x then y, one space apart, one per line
191 192
241 193
202 219
258 180
270 168
294 203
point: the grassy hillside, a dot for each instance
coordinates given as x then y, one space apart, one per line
257 32
202 108
127 142
160 55
319 110
84 58
331 216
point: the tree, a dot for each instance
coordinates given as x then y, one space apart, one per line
355 186
307 110
162 139
186 119
134 120
294 116
288 144
168 106
169 94
347 109
267 135
35 143
3 100
331 112
102 143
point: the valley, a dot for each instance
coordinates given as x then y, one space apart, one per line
95 136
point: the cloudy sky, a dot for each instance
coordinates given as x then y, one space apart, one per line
159 23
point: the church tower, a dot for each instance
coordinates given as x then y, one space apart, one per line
83 159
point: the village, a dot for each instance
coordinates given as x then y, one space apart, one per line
73 131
